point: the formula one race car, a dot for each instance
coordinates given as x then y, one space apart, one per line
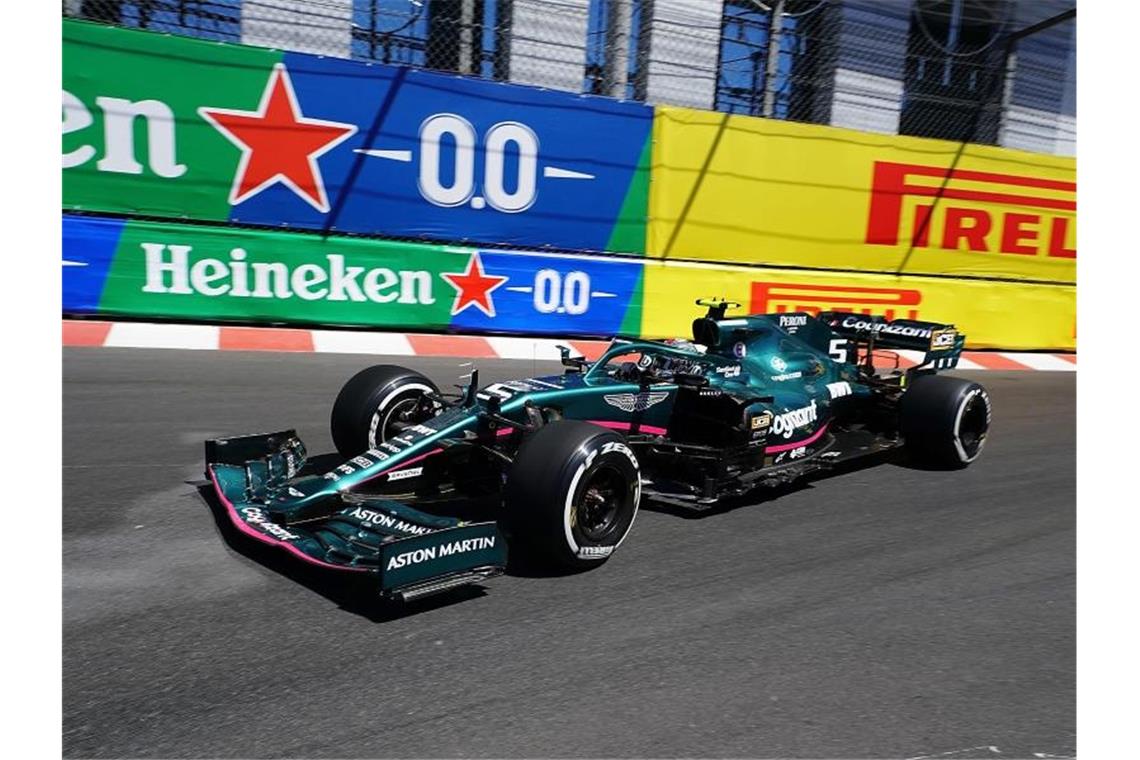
561 463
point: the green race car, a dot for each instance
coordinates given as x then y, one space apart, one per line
431 487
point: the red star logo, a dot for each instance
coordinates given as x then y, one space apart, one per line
278 144
473 287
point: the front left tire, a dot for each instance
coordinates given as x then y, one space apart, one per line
373 403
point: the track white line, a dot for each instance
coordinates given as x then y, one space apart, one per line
949 753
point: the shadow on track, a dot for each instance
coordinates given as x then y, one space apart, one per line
766 494
354 594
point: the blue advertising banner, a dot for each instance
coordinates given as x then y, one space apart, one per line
558 295
426 155
89 247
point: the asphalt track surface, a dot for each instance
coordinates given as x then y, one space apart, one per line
887 612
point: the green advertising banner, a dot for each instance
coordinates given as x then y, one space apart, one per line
183 129
132 139
132 268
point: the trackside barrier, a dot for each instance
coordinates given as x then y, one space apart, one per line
146 269
294 152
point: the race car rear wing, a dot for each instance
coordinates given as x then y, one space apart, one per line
941 343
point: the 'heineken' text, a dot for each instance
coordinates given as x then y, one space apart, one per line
169 270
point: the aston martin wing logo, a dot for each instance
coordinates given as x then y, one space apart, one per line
635 402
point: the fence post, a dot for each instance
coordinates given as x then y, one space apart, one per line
775 27
1009 71
618 24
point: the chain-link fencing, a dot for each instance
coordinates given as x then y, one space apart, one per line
985 71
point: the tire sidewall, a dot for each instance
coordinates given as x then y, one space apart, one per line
931 420
600 452
546 482
968 394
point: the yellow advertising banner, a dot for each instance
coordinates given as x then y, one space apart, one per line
761 191
992 314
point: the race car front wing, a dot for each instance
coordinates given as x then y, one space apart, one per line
412 553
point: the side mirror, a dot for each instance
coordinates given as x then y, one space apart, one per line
469 391
572 363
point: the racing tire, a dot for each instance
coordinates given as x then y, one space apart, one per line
945 421
572 494
370 402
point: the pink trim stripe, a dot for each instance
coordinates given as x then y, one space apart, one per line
796 444
241 525
650 429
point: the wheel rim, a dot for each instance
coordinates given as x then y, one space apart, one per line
401 411
974 425
598 508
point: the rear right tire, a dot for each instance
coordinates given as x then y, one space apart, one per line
944 420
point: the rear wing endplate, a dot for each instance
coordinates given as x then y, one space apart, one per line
941 344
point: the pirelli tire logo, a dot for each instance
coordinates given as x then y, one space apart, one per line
569 512
978 211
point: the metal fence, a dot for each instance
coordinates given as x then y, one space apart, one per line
987 71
